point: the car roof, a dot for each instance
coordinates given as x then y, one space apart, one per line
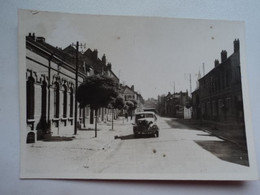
144 113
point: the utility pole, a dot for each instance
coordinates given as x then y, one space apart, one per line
203 68
76 88
76 84
190 85
49 94
174 87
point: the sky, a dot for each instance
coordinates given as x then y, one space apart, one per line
153 54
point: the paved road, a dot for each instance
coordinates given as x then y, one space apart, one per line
179 149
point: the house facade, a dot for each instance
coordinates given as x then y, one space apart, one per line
129 94
50 88
219 96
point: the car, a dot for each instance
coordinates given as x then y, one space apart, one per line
145 124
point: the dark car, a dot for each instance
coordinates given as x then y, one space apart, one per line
145 124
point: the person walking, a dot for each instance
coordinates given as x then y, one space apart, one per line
126 116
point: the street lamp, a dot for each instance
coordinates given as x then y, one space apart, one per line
77 45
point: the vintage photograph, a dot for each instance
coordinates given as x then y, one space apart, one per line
127 97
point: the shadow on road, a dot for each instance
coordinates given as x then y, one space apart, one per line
125 137
206 135
58 138
176 124
131 136
225 151
88 129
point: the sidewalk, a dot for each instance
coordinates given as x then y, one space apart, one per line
72 152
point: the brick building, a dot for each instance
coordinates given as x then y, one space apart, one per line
50 87
219 95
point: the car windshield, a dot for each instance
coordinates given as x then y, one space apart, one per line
148 115
139 116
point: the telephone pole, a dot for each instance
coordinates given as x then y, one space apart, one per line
76 84
203 68
190 85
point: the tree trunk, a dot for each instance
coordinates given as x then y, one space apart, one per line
96 114
91 116
112 118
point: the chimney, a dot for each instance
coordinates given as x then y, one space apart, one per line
40 39
109 66
133 87
32 35
236 45
223 55
216 63
95 54
104 60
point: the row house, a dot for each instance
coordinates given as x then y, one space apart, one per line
50 87
90 58
219 95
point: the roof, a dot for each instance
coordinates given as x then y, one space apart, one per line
127 90
224 63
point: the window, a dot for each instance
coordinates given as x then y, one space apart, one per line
64 101
30 98
71 102
220 105
214 107
44 99
208 109
56 100
228 106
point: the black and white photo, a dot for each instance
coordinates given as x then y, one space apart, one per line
127 97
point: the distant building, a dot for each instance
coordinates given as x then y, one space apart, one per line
172 105
151 105
219 95
129 94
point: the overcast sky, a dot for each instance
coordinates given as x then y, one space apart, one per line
150 53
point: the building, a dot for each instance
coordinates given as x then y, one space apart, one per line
129 94
173 105
151 105
50 87
219 95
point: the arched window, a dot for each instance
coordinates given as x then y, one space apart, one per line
56 100
44 99
71 102
64 101
30 97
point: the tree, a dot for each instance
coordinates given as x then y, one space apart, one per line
97 91
131 106
117 103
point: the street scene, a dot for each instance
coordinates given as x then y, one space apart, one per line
131 101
